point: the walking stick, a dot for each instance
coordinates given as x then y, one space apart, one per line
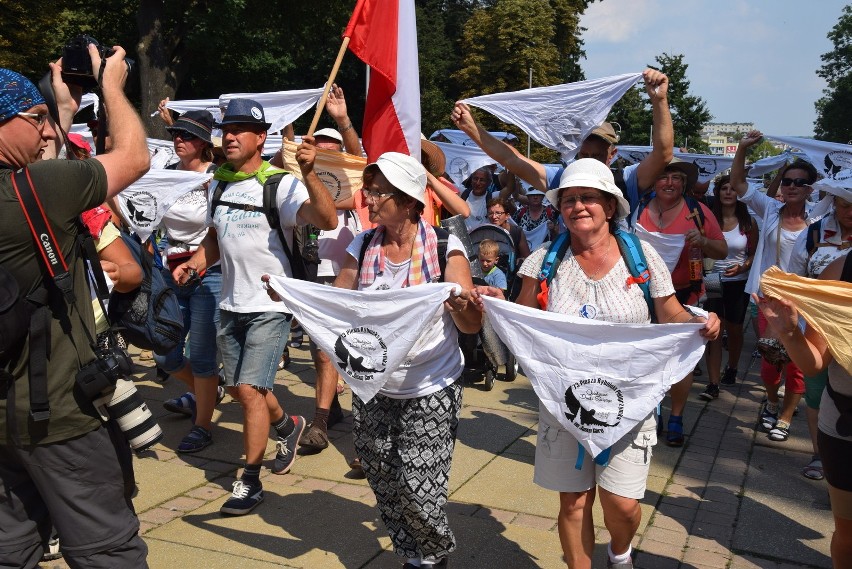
331 77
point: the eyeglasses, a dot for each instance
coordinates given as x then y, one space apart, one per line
496 213
184 135
375 195
39 118
798 182
571 201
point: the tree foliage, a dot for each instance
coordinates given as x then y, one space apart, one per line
834 109
689 112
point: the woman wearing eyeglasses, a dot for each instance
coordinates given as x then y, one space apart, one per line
184 227
406 433
782 224
590 282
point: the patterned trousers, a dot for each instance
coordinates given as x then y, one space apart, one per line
406 449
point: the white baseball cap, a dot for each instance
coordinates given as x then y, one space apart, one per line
590 173
404 173
329 133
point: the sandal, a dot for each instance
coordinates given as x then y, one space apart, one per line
297 336
183 405
813 470
197 439
285 358
674 437
780 432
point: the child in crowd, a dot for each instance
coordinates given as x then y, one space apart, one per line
489 251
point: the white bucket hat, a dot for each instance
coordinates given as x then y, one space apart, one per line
329 133
590 173
404 173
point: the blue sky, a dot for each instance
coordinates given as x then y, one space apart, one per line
751 61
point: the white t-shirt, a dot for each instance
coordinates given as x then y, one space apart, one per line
248 247
737 254
436 360
333 243
186 221
478 210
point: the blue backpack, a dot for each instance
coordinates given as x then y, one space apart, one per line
634 258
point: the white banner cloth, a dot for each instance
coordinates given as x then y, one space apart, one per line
598 378
280 107
668 245
144 202
459 137
561 116
211 105
708 164
633 154
366 334
462 161
831 159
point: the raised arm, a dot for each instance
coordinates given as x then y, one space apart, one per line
657 88
319 209
451 200
67 103
738 173
127 159
335 105
528 170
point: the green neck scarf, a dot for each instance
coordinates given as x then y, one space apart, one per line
226 173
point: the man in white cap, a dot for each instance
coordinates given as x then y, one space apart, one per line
253 329
600 145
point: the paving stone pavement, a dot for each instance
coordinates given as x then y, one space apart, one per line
729 498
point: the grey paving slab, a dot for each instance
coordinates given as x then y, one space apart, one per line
782 514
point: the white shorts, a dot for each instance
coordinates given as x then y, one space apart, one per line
625 475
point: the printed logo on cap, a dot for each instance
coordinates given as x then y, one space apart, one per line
594 405
256 113
361 353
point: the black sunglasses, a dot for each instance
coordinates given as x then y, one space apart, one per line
798 182
183 134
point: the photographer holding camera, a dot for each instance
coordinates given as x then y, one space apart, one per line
63 467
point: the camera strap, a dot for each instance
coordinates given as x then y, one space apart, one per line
51 255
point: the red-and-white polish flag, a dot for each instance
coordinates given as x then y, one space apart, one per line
383 34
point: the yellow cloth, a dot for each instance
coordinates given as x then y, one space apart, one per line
109 234
825 305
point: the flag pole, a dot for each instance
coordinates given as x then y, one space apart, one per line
331 77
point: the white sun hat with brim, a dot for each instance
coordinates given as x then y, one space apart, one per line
590 173
404 173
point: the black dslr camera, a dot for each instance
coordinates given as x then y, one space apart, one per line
77 65
109 366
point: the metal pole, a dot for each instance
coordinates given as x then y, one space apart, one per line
529 139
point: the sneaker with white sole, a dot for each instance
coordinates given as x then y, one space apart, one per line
244 498
286 447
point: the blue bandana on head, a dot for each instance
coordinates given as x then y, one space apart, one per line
17 94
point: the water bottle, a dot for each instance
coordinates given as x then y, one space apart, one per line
696 267
310 253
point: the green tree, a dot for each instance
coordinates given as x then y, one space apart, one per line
834 109
689 112
633 115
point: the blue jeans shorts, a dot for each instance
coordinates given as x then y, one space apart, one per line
199 304
251 344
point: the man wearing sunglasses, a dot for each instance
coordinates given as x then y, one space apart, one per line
782 224
61 468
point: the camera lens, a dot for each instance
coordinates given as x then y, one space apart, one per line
133 416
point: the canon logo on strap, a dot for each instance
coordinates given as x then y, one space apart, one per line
51 255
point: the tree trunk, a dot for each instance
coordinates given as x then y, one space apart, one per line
155 52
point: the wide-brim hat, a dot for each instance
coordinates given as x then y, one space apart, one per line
688 169
433 158
404 173
244 111
590 173
198 123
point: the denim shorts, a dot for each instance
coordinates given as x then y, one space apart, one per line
251 344
199 303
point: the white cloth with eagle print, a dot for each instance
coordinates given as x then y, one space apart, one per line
599 379
374 337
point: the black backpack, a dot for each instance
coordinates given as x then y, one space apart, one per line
15 314
302 269
148 317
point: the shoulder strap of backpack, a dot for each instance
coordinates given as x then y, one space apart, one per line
552 260
631 251
365 244
443 238
695 206
466 193
270 208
